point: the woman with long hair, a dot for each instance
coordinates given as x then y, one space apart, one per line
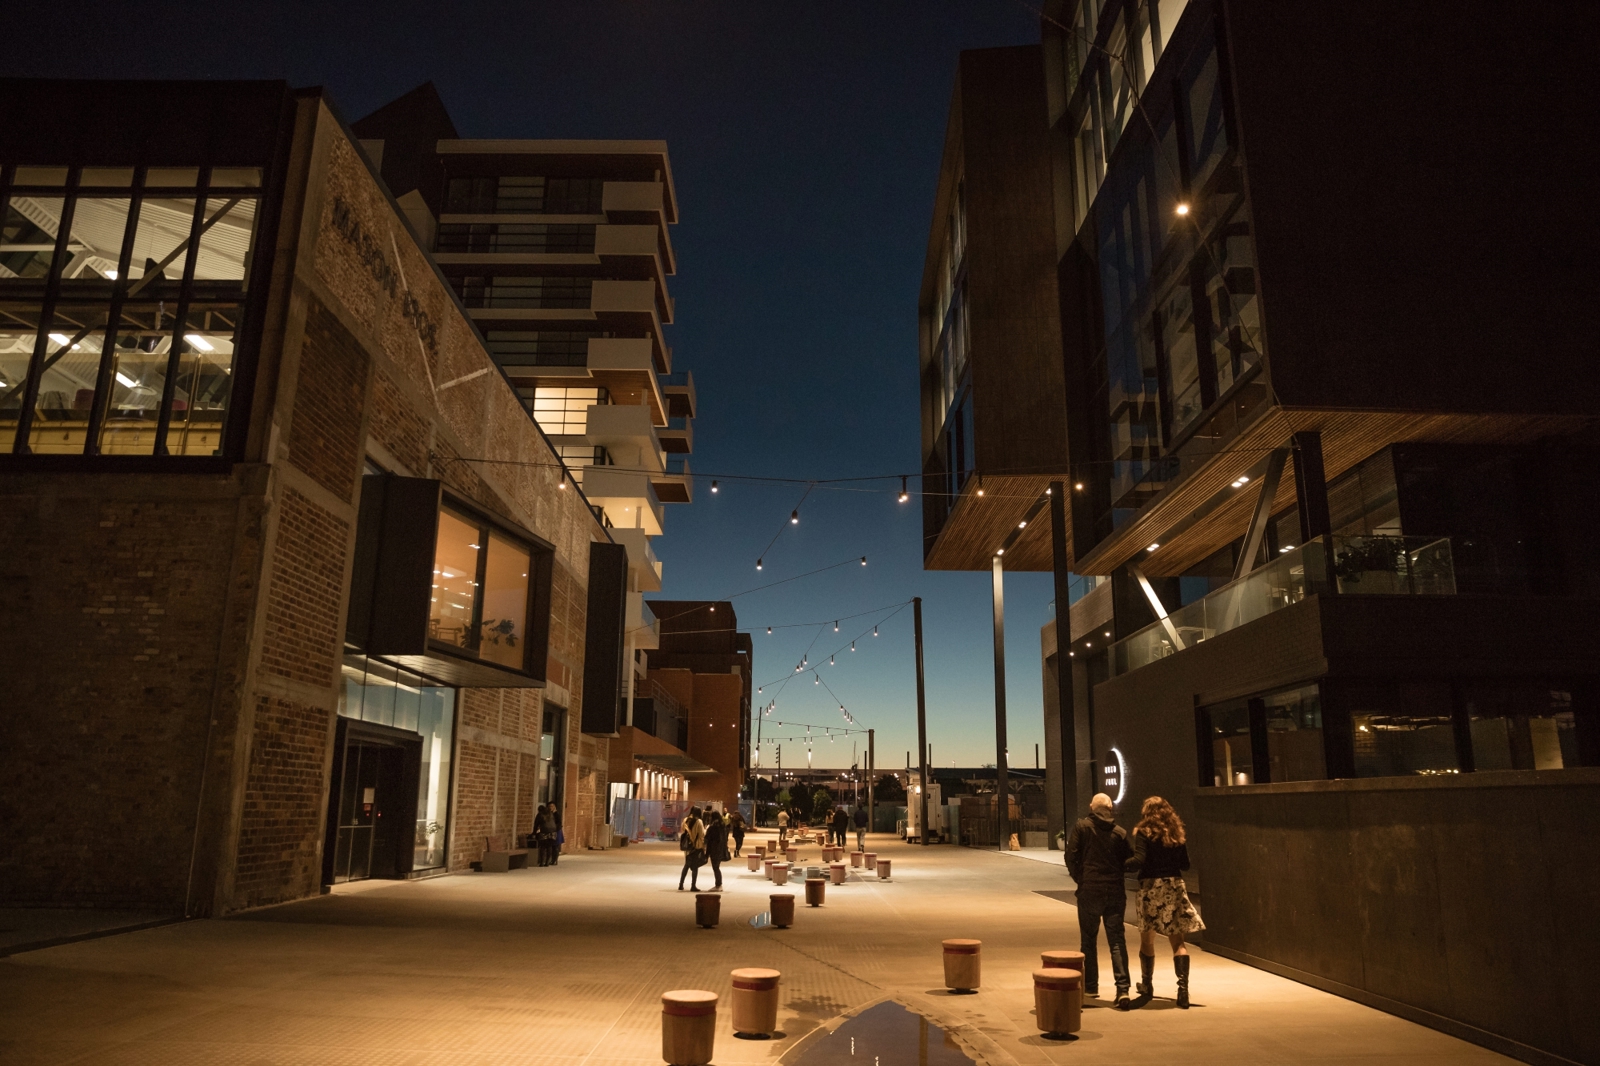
1160 855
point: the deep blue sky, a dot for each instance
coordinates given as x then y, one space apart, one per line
805 142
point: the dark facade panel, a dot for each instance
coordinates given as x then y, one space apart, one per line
603 641
1438 258
392 574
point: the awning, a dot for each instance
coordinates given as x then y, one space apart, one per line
678 764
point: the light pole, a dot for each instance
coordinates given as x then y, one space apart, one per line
922 726
1002 786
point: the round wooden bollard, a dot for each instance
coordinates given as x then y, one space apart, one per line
782 909
883 869
755 1002
754 862
836 872
816 887
1062 960
707 909
1057 1000
759 851
780 873
871 859
856 858
767 865
688 1026
962 964
791 854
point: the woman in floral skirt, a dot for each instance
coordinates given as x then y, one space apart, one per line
1160 855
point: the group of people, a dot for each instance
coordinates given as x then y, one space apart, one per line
547 836
838 822
1100 854
704 838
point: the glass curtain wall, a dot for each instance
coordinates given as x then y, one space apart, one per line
121 295
377 692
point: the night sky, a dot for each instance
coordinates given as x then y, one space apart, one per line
805 142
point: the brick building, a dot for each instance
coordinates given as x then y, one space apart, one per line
298 590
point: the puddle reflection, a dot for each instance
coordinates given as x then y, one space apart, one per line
885 1035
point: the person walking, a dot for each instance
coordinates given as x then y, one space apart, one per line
1097 856
1160 855
716 845
861 828
692 842
736 830
841 824
783 827
557 837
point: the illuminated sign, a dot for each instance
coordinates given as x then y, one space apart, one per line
1114 776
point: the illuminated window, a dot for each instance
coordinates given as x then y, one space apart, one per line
481 591
565 412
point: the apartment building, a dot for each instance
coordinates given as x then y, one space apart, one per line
1325 393
561 251
299 590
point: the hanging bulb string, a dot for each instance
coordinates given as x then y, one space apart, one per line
802 668
794 519
794 625
853 561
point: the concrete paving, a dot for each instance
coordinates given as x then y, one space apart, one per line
565 966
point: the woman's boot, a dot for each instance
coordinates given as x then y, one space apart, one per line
1180 963
1146 987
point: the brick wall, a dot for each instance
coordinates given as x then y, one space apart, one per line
115 591
279 855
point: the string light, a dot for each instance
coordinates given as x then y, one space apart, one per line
874 630
714 486
794 517
758 567
830 660
836 626
563 482
769 631
980 484
904 495
863 560
852 645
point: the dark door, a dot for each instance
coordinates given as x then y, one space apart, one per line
372 806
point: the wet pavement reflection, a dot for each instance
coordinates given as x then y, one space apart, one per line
885 1035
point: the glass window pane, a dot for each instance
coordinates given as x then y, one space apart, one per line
205 380
1522 727
138 369
1402 730
106 177
172 177
225 245
455 578
66 384
236 177
1167 14
1294 735
1230 744
40 176
98 226
164 223
505 603
436 723
28 237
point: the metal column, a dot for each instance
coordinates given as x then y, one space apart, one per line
1002 785
922 724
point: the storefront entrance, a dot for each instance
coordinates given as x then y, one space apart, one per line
372 802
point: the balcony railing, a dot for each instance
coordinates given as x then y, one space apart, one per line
1371 565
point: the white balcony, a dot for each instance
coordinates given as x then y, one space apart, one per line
627 495
627 432
643 625
643 565
636 297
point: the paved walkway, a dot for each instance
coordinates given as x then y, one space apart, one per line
564 967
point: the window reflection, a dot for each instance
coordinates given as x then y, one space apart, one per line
1294 734
505 603
481 591
455 590
1522 727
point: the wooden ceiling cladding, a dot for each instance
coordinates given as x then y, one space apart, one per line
1348 437
979 524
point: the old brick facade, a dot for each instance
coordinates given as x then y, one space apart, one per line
168 743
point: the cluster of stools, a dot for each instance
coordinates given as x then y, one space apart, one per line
780 866
1057 984
689 1016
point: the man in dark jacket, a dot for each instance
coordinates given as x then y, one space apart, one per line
861 828
1097 852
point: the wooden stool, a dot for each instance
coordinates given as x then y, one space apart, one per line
780 873
883 869
1066 960
688 1026
707 909
754 862
815 887
962 964
1057 1000
755 1002
783 909
767 865
871 859
836 872
856 858
791 854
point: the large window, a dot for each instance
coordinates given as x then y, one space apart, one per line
565 412
512 348
481 591
121 297
525 292
526 238
1527 726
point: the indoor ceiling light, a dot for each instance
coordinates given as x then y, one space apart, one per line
1152 547
199 342
1182 209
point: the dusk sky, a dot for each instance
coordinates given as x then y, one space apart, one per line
805 141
